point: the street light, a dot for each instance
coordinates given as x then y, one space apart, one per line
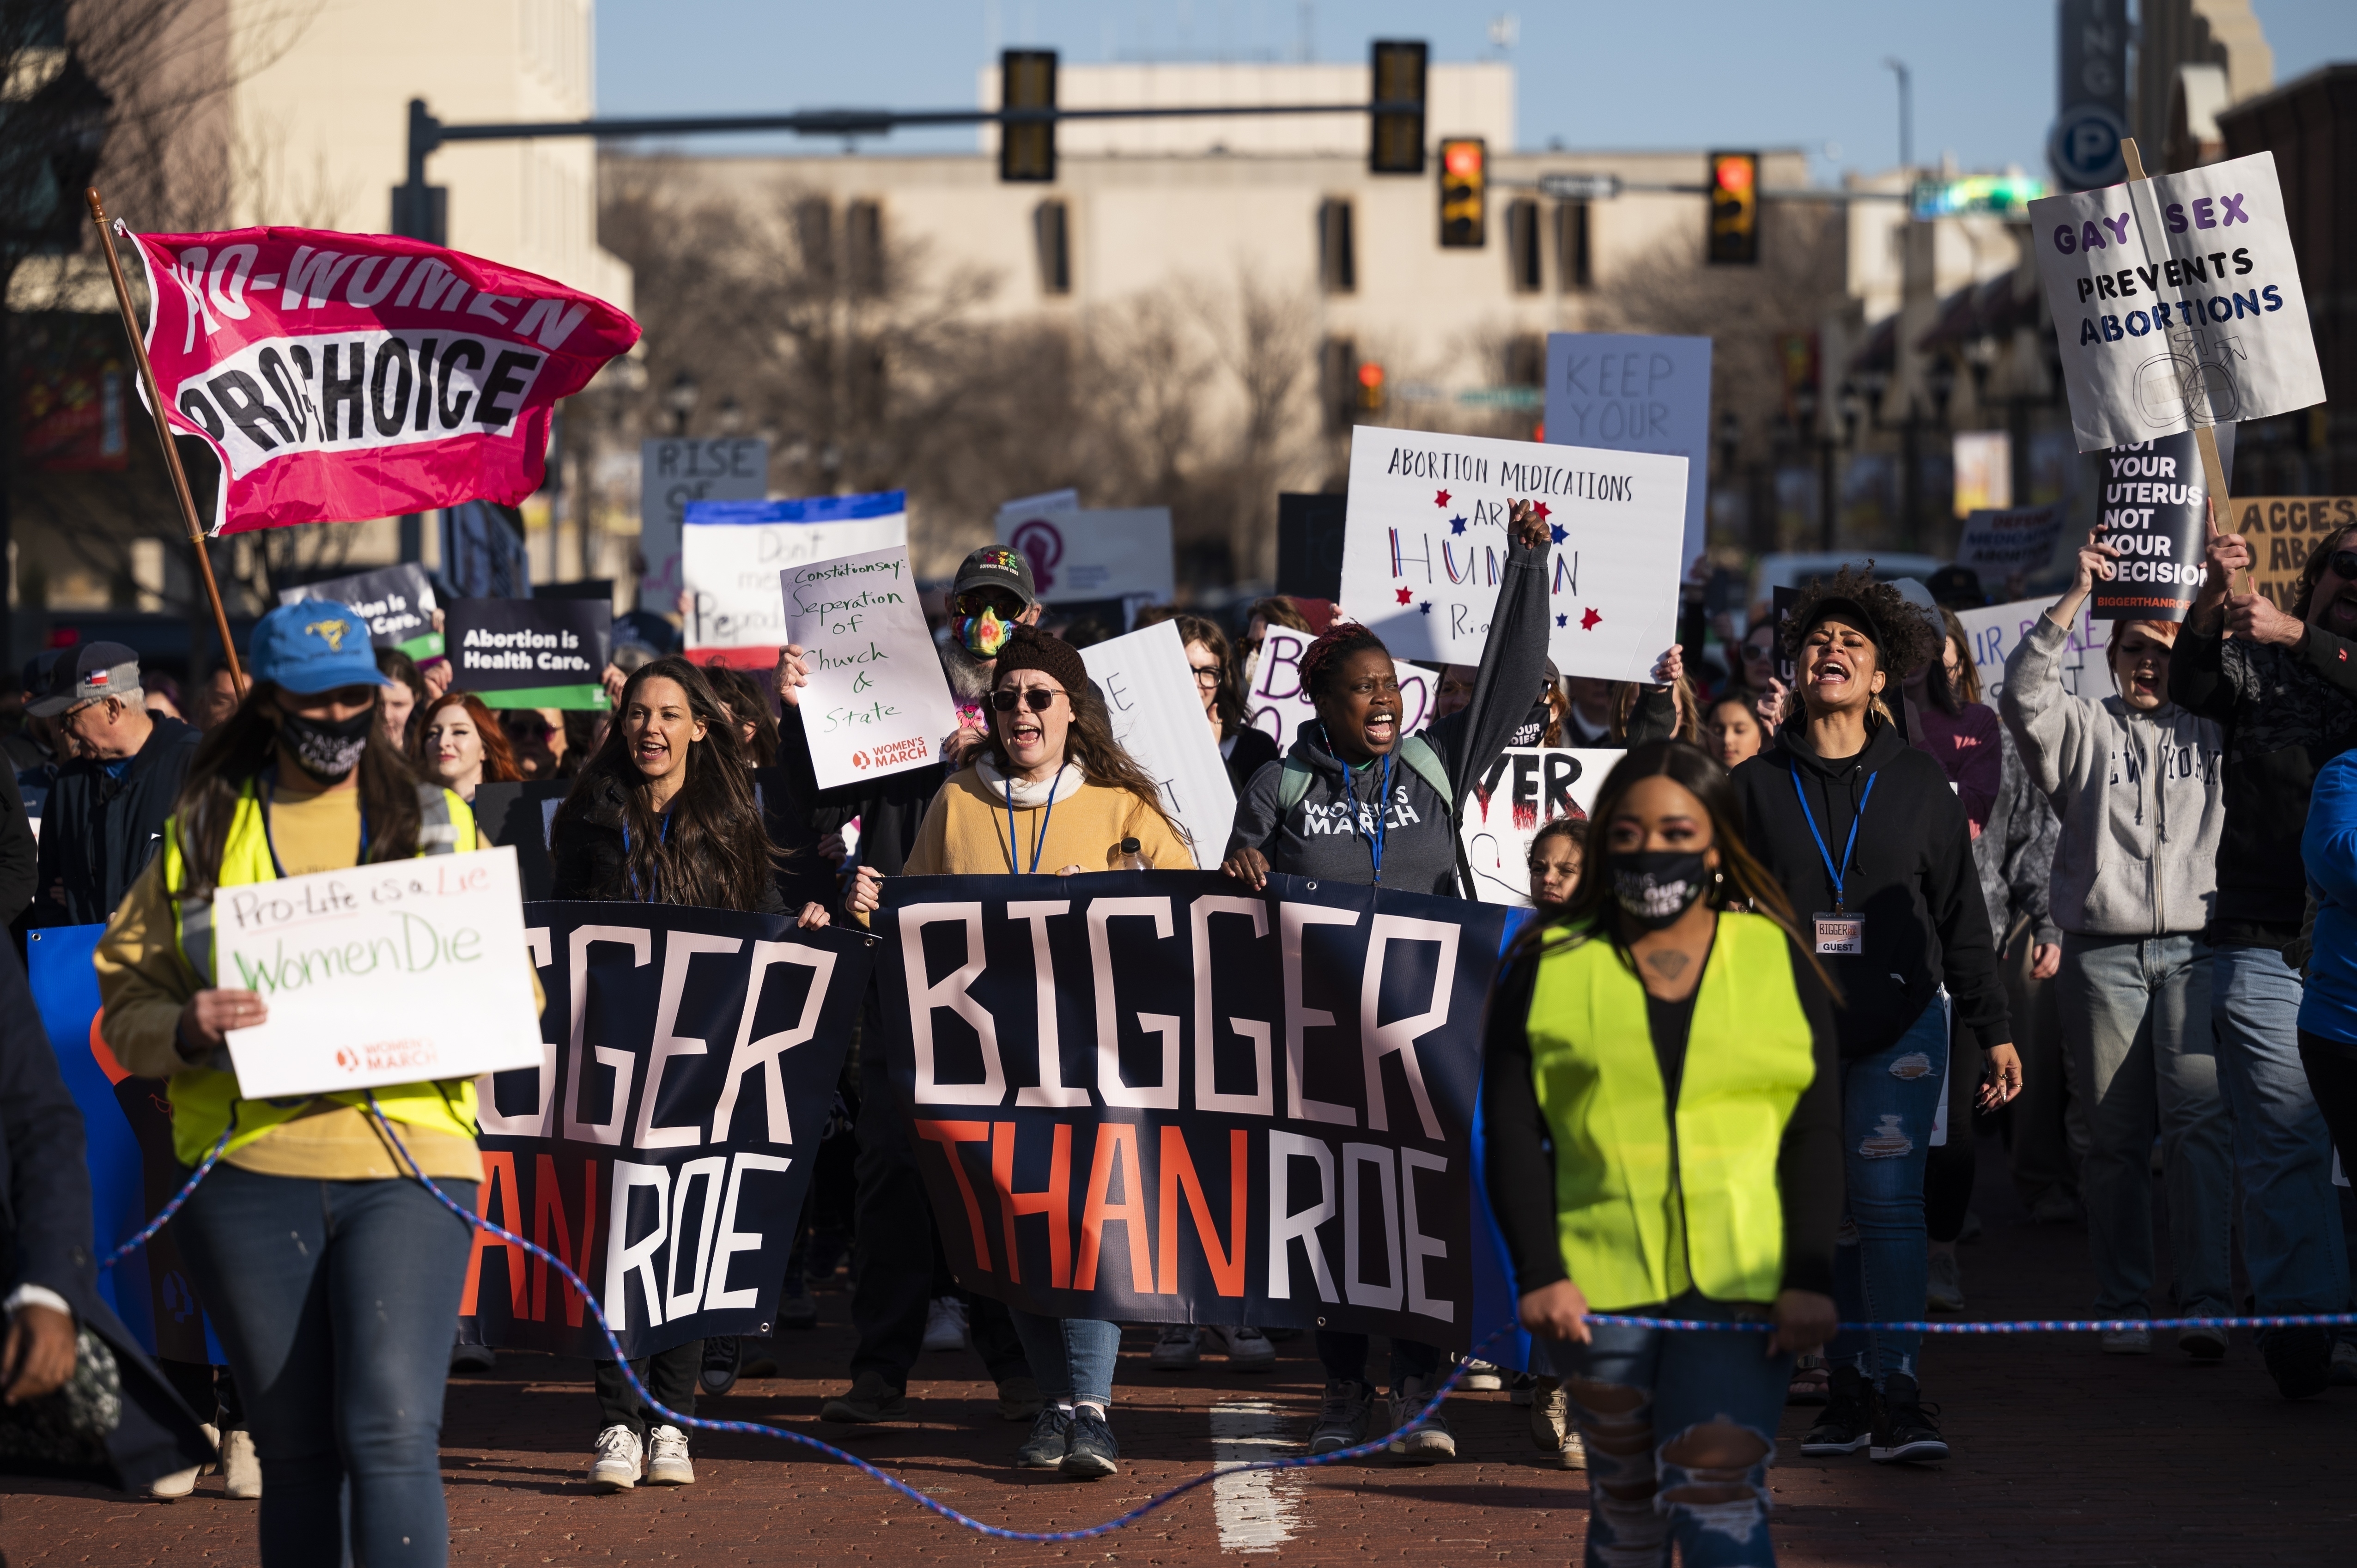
681 399
1906 112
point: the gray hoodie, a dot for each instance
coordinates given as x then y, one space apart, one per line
2140 796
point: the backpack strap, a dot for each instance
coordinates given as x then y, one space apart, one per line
1293 787
1425 763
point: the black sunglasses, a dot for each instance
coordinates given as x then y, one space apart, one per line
2344 563
1038 697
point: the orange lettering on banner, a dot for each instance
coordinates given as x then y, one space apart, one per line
547 1205
1179 1175
949 1135
500 1178
1055 1202
1116 1139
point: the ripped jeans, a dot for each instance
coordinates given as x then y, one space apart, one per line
1680 1428
1881 1263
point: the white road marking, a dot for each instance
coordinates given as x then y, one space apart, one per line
1257 1511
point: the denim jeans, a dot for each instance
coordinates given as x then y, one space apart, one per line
1889 1100
335 1302
1344 1356
2292 1241
2137 1012
1073 1358
1680 1427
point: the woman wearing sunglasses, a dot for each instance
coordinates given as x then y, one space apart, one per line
1051 793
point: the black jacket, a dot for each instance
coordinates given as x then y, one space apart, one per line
99 832
585 842
1911 877
44 1238
19 854
1253 751
2286 713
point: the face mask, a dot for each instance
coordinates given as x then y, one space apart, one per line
328 748
983 635
1656 886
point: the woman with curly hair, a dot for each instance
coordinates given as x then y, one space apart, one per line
1870 844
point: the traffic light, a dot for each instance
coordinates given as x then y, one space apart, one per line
1371 387
1027 149
1464 180
1735 209
1398 146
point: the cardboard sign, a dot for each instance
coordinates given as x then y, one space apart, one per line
2282 530
1631 393
1278 705
1524 789
2176 302
2017 539
1158 717
400 972
2155 510
1426 545
397 602
731 553
1103 553
530 653
878 701
674 472
1993 634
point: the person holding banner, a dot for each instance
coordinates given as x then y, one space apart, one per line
1662 1121
460 746
1052 793
331 1277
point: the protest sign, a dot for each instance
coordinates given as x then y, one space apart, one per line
1525 788
2177 302
1633 392
731 553
339 377
1104 554
1155 1097
1279 703
397 602
1426 540
1993 634
1157 717
530 653
2156 512
674 471
660 1139
2017 539
2282 530
483 553
878 701
397 972
1982 464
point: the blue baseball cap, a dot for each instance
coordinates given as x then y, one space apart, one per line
312 646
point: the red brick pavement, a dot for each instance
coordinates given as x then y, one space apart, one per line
2063 1457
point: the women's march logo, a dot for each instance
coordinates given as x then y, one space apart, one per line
1043 541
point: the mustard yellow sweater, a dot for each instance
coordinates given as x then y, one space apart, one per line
965 832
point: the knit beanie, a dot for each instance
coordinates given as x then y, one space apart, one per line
1028 648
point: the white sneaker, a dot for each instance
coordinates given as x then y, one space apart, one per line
1248 1348
667 1462
2134 1341
945 1323
240 1466
1180 1348
1481 1377
181 1483
616 1467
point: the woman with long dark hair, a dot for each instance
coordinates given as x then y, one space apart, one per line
1663 1140
663 813
1244 750
330 1276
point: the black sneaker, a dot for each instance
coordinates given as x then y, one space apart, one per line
719 1373
1090 1452
1847 1425
2298 1360
1044 1449
1904 1432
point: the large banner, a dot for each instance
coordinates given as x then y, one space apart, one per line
731 553
1159 1097
663 1147
339 377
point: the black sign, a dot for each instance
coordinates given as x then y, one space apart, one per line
397 602
530 653
2154 510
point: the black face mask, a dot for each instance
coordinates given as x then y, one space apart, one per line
1655 887
327 749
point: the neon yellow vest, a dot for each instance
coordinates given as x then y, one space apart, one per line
1644 1213
204 1099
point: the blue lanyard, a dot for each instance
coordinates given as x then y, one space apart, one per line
1823 853
641 898
1382 808
1040 842
265 785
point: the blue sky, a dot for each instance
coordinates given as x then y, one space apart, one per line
1667 73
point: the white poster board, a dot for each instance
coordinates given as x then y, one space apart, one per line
400 972
1993 633
1158 717
1277 704
1624 392
2176 302
876 702
2016 539
674 472
1099 553
1424 546
731 553
1525 788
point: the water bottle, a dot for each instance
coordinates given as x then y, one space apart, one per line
1127 855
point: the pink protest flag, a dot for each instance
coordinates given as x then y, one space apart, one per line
339 377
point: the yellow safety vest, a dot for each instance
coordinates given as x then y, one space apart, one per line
205 1098
1650 1204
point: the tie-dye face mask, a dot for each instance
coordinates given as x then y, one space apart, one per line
983 635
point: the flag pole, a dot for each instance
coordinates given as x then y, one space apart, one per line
163 435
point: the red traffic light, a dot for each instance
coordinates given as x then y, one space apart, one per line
1462 159
1734 171
1371 375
